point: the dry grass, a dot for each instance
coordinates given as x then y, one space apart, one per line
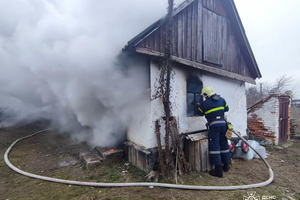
55 155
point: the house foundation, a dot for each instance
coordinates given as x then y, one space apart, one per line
141 157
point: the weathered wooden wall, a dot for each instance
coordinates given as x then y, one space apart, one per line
201 33
197 154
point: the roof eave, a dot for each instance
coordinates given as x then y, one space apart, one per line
234 17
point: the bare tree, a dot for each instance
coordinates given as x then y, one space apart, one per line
283 84
253 95
283 81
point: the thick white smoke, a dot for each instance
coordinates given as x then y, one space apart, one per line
58 60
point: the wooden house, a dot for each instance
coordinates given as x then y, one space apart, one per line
209 47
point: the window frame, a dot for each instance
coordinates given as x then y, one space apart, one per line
195 93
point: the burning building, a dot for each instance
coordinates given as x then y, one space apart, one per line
209 47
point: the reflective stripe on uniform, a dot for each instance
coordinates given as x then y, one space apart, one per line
200 110
225 151
214 152
226 105
214 109
217 122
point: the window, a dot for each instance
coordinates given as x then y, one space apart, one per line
193 95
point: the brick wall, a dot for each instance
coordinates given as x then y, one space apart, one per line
263 119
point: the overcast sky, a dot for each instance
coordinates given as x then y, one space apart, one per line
272 28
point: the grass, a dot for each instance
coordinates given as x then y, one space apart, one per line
4 145
270 148
112 175
15 186
297 155
297 196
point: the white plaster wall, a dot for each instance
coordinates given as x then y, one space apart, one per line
139 130
142 127
139 113
268 113
178 100
232 90
157 110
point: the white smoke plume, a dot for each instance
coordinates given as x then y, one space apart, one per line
58 60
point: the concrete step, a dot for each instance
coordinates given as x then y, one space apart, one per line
91 159
108 152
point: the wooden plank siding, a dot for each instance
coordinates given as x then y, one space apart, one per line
210 4
197 155
189 33
175 36
184 33
199 24
212 37
203 34
157 40
215 6
194 32
233 51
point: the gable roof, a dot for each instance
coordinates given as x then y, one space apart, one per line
131 43
241 35
239 32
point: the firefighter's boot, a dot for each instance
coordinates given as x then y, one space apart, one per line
226 167
218 172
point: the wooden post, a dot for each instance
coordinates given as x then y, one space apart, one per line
160 157
175 133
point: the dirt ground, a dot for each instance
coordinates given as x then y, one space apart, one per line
57 155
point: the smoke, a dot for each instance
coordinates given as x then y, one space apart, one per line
60 60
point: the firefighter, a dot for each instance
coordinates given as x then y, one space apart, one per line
214 107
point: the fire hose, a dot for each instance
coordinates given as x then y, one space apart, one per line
94 184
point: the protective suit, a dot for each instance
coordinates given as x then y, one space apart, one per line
213 108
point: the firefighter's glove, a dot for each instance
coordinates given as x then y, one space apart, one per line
193 103
229 131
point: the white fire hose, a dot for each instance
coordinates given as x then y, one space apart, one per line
93 184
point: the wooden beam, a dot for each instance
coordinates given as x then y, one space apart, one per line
197 65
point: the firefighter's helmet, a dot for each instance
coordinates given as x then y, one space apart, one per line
207 91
